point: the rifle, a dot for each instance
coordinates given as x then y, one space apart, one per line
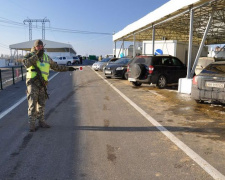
41 79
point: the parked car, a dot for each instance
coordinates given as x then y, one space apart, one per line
117 69
204 61
96 66
102 66
160 70
63 60
209 85
76 60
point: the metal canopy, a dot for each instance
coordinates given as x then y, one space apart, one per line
175 26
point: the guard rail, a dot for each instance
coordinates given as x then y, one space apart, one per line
11 74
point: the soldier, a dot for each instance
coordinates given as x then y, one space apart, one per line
36 89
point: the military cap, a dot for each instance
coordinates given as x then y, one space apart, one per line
38 42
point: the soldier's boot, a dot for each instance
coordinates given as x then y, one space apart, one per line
32 127
43 124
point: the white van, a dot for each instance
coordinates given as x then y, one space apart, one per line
63 60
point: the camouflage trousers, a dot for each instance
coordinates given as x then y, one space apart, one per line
36 102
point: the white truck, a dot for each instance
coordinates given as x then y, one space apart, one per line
66 60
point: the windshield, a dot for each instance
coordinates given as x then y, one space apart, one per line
122 61
105 60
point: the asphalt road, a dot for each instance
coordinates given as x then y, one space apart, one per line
97 134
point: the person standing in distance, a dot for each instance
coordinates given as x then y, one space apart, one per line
81 59
36 94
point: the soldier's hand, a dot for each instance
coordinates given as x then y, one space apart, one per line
40 53
72 69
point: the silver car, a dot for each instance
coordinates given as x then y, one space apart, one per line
99 65
209 85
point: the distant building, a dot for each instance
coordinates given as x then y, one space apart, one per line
52 48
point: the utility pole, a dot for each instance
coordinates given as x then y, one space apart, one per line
43 21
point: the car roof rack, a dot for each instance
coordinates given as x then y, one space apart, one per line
163 55
155 55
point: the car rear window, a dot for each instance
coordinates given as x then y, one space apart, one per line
142 60
162 61
214 69
157 61
105 60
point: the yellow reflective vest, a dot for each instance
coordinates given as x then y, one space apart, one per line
44 67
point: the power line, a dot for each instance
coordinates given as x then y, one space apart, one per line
30 21
7 21
2 46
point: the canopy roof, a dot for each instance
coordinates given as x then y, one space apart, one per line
171 22
50 46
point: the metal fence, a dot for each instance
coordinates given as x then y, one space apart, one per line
11 75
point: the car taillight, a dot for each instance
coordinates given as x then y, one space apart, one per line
194 81
151 69
128 68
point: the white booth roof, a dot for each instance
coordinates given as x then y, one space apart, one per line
51 46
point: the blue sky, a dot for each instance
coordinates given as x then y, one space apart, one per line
102 16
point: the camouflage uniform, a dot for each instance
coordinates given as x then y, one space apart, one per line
35 91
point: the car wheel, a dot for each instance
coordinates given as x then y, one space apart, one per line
103 68
162 82
136 83
137 70
125 76
108 77
68 63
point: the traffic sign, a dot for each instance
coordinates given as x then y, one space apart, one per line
158 52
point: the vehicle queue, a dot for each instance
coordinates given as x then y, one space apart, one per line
164 71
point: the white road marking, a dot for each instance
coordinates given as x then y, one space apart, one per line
155 93
11 79
193 155
19 102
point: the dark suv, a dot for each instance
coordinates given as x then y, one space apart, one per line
160 70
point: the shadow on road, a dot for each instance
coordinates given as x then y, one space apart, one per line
152 128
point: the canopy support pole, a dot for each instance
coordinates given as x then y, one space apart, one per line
190 42
114 54
201 45
153 39
120 49
134 53
123 47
